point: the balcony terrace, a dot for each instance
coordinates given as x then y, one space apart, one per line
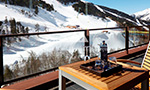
48 79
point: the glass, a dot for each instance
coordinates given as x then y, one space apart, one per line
137 36
114 39
30 54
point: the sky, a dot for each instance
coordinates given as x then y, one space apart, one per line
127 6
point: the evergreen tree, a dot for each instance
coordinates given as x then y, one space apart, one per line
6 21
46 6
8 73
27 30
6 3
45 28
1 28
1 23
36 10
17 29
9 41
2 0
7 32
22 29
19 39
76 54
3 32
34 62
19 26
37 27
16 70
52 7
13 26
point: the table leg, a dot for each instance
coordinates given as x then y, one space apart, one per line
145 85
62 81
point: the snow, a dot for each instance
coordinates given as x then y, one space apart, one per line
54 21
138 22
121 17
99 8
144 15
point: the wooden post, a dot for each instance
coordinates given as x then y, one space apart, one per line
127 39
1 62
87 43
149 33
145 85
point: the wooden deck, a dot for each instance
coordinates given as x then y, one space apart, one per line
35 83
38 81
123 81
131 51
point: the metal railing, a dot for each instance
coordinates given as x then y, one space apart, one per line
86 33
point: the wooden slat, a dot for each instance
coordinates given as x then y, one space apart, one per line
147 61
148 58
148 51
130 61
107 79
115 84
146 67
148 55
117 77
147 64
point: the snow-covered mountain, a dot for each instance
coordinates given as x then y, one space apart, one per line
144 15
64 17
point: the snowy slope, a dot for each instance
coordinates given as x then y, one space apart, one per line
57 20
144 15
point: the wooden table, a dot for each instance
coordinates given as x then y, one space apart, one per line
126 80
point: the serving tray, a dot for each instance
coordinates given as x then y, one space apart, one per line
112 68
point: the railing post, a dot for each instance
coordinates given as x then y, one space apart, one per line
87 44
1 62
127 39
149 33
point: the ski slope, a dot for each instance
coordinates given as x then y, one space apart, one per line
55 21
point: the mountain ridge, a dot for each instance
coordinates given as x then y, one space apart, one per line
62 18
144 15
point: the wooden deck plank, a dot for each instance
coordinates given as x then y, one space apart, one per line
30 83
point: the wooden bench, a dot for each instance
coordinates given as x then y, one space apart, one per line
146 60
145 63
42 82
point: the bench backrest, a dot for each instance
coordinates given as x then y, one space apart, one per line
146 60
